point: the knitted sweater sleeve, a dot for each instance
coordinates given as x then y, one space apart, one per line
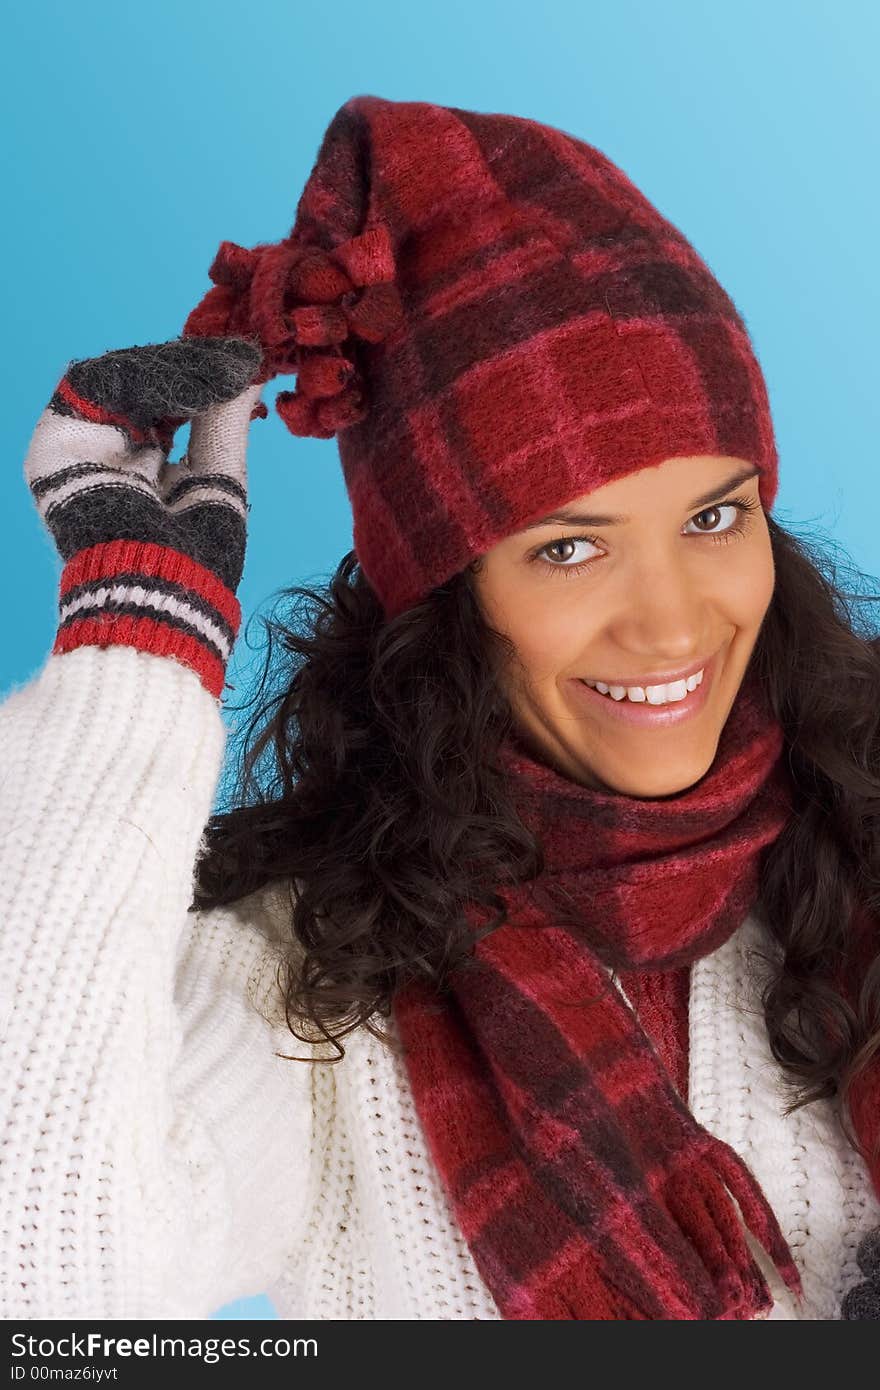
153 1149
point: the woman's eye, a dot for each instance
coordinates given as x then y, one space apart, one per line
734 507
714 530
561 545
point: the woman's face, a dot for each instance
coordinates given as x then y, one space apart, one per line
682 577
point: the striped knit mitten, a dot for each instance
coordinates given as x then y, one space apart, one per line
153 551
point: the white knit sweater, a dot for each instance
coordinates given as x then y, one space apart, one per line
156 1158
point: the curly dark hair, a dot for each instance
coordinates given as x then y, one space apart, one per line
385 812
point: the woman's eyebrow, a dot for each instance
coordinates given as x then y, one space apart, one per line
581 519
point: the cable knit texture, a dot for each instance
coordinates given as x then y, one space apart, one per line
157 1159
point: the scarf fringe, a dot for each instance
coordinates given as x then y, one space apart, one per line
700 1196
711 1198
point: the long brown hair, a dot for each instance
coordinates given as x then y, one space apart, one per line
367 777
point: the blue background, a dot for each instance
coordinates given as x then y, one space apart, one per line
138 137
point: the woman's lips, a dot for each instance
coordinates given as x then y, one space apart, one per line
641 714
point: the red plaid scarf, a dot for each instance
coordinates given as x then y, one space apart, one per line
580 1179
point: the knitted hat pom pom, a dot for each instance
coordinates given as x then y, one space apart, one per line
308 308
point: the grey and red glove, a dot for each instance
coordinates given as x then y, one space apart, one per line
153 551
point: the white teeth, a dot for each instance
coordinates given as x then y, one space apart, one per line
652 694
665 694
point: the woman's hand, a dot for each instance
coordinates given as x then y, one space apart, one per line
153 551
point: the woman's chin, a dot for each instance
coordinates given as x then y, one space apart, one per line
668 778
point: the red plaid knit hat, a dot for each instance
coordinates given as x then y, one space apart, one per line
492 320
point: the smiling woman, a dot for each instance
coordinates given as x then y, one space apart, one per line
588 407
531 905
663 593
